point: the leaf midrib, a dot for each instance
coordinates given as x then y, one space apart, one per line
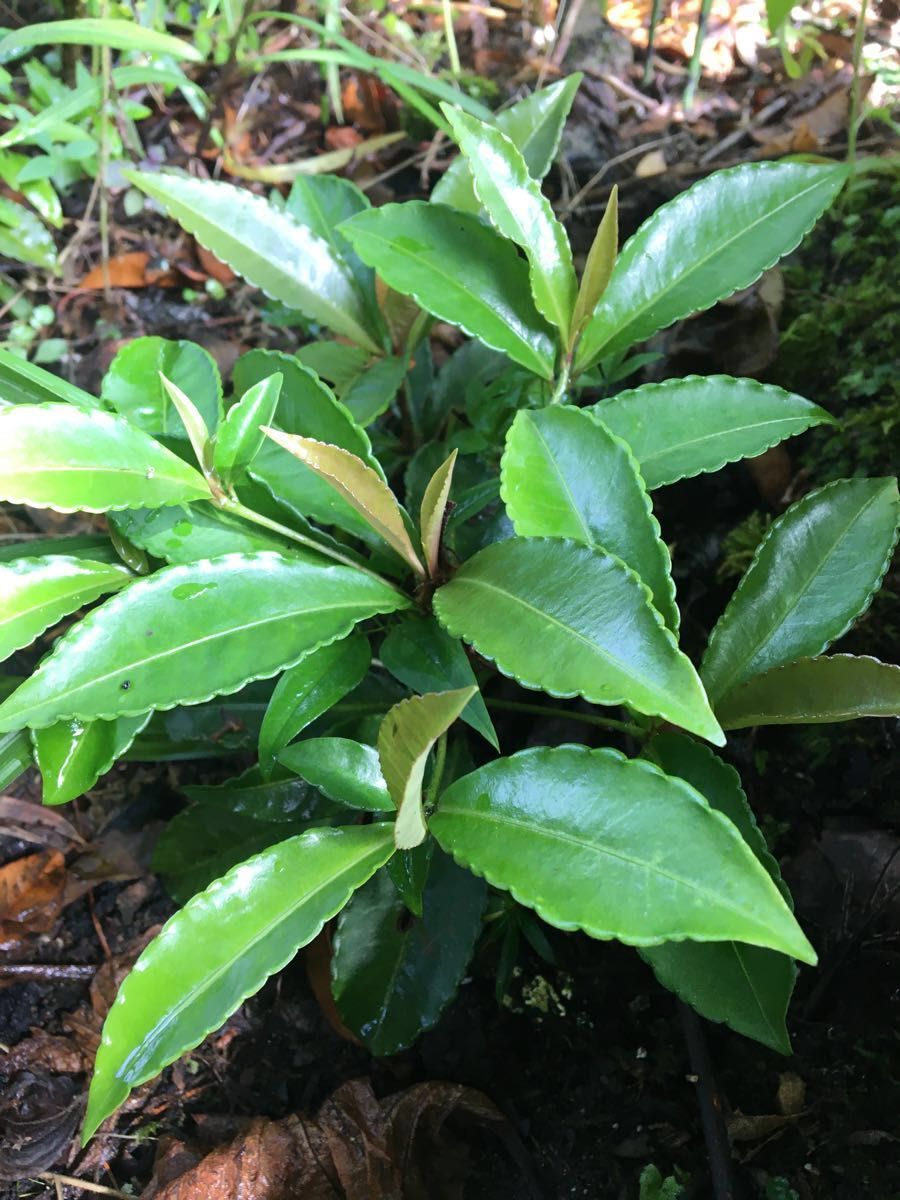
718 435
187 646
454 284
534 832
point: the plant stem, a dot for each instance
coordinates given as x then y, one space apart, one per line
450 34
240 510
709 1101
694 64
332 23
106 81
655 14
545 710
859 37
562 383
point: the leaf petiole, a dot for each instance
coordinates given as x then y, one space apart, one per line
546 710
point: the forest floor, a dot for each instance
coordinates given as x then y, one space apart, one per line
579 1082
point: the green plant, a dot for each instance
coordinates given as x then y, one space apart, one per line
285 554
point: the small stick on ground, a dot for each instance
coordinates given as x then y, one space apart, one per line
84 1184
46 972
709 1100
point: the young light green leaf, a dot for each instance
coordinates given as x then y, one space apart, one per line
35 593
133 387
534 125
308 408
57 456
94 31
572 620
747 987
24 236
345 771
221 949
72 755
712 240
241 436
309 689
23 382
423 656
577 834
814 572
358 484
407 734
433 511
683 427
563 474
460 270
598 269
269 248
189 633
192 420
521 212
814 691
388 981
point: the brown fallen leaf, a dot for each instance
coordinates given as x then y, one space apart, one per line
34 822
31 895
134 269
214 267
355 1148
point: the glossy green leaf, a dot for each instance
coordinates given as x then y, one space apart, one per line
712 240
189 633
56 456
24 236
35 593
434 510
23 382
748 987
309 689
322 202
392 974
356 482
814 572
93 31
184 534
132 385
346 771
94 546
408 870
15 755
423 656
457 268
570 620
221 949
40 193
200 845
203 731
814 691
599 266
683 427
373 391
521 212
269 248
279 800
241 436
534 125
563 474
407 734
72 755
578 834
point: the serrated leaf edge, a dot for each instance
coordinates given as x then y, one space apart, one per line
606 935
94 617
649 227
648 505
817 415
806 502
